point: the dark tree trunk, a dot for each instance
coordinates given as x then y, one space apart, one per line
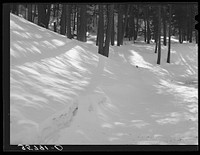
57 12
78 23
137 25
43 16
97 40
159 33
63 20
188 23
130 24
156 37
169 35
83 23
113 32
35 13
155 23
54 15
145 26
164 28
148 27
69 35
47 17
119 22
180 35
156 48
101 30
125 23
110 9
74 20
30 12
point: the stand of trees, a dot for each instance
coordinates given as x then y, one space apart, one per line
114 22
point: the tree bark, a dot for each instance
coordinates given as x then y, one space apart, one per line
169 35
159 30
83 23
145 27
113 32
97 40
63 20
101 30
69 35
54 15
180 35
78 23
119 22
74 20
35 13
136 31
164 27
125 23
30 12
47 17
108 30
148 27
43 16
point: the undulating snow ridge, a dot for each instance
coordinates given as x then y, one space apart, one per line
64 92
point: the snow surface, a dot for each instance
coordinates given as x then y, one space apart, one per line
63 92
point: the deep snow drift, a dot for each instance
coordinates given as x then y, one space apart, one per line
64 92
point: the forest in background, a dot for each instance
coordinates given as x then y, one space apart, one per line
114 22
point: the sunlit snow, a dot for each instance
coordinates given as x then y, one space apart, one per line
63 92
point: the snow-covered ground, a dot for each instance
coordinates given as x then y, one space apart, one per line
63 92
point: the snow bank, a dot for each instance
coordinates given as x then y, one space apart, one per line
63 92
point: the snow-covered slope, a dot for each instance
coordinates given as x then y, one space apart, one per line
63 91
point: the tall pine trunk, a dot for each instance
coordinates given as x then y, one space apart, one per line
97 40
43 15
169 35
35 13
30 12
159 34
69 35
74 20
164 27
101 30
113 31
180 35
125 23
83 23
47 17
148 27
119 22
110 9
54 16
131 26
155 21
137 25
78 23
145 26
63 20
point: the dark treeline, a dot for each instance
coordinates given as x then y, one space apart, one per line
114 22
